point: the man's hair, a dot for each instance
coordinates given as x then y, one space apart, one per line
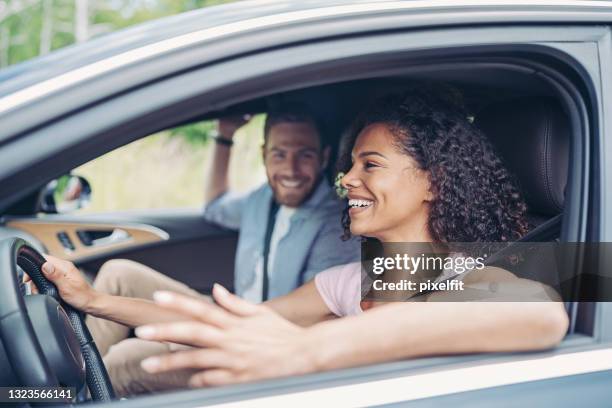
294 112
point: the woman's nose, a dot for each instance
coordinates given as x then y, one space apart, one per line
350 179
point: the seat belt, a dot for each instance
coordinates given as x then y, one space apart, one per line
266 251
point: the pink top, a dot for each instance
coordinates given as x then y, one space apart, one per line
340 288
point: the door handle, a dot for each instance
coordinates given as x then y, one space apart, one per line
117 236
103 238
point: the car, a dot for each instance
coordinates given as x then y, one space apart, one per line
538 74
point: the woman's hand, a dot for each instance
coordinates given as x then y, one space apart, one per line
72 287
239 341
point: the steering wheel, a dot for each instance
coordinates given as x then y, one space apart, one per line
46 340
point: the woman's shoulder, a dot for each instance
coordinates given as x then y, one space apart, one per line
341 271
488 274
339 287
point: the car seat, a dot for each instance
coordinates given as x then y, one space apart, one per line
532 136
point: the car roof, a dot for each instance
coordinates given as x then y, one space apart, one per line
77 55
180 30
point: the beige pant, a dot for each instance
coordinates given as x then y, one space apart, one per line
122 355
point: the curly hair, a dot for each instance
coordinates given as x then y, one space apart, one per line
476 199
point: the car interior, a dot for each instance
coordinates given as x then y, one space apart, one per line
525 117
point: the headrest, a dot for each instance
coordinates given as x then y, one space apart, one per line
532 136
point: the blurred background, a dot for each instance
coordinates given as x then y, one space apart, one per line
164 170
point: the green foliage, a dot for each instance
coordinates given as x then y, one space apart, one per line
195 134
23 32
125 13
60 187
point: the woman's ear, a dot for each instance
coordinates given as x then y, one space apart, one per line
429 196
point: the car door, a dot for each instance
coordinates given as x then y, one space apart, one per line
400 382
177 243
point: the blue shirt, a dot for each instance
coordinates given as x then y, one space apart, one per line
311 245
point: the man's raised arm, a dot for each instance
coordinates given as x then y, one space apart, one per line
217 181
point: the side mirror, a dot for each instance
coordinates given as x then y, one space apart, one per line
65 194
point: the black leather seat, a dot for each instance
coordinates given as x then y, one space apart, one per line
532 136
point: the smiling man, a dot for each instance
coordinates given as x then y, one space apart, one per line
289 230
290 227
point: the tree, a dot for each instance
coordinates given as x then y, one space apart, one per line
29 28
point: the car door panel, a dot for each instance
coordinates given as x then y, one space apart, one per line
72 240
179 244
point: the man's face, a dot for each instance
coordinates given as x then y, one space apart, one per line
294 161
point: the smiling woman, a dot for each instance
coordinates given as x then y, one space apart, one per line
419 157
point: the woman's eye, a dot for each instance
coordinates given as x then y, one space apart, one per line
370 165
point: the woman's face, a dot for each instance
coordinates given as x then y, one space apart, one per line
388 194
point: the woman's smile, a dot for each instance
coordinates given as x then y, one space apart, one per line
359 205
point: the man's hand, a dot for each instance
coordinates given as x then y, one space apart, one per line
239 341
72 287
228 126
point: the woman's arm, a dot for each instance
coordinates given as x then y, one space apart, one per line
246 342
128 311
75 291
406 330
304 306
496 312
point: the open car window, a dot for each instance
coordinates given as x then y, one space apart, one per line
167 170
